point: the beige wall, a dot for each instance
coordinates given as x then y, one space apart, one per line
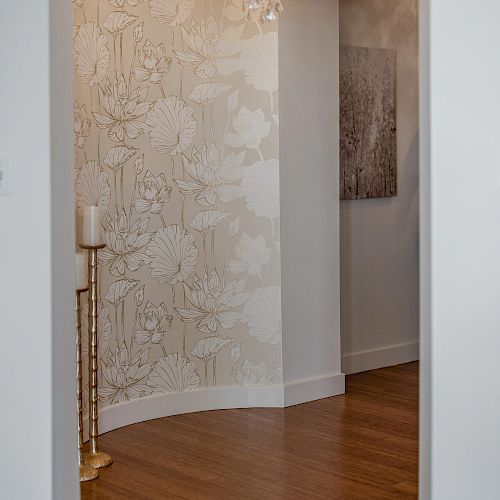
379 237
189 188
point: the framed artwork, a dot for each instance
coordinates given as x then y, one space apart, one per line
368 149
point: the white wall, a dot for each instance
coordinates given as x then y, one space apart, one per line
379 237
460 251
37 429
309 178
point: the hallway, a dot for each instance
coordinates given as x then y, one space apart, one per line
363 445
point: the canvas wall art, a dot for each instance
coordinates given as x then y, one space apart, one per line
368 161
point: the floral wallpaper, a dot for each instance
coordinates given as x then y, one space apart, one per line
176 139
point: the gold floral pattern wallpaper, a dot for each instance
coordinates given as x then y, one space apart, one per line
176 139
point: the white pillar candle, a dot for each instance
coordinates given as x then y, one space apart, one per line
81 271
91 227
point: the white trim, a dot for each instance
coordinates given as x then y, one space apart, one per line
374 359
166 405
303 391
219 398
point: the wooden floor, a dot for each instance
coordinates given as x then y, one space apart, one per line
359 446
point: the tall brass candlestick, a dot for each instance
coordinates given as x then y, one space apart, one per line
87 473
93 457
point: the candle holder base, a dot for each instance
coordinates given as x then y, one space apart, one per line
88 473
92 247
97 460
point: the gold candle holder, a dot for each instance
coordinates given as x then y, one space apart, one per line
93 457
87 473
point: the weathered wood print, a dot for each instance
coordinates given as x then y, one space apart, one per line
368 162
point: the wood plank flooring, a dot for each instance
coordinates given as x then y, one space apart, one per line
363 445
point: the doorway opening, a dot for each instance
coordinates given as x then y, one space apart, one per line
379 208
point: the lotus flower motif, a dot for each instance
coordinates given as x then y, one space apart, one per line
213 304
153 323
207 221
117 22
206 93
138 32
263 311
251 254
250 374
125 243
209 175
92 54
260 60
171 12
124 376
139 296
209 347
122 111
153 63
172 126
119 290
120 3
116 157
174 373
206 49
81 126
173 255
92 186
259 187
235 353
250 128
139 164
153 194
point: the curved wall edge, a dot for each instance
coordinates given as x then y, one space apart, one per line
219 398
176 403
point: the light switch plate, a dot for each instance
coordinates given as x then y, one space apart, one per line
5 176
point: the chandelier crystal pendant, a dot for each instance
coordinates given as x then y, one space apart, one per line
264 10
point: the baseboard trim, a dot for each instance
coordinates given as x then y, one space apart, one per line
166 405
304 391
374 359
218 398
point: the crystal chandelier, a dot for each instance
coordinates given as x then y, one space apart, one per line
265 10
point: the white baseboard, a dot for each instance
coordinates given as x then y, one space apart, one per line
304 391
363 361
166 405
219 398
